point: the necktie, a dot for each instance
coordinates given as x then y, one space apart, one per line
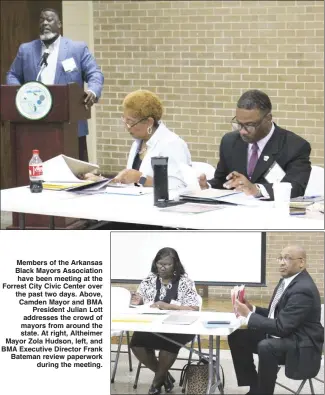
252 160
277 297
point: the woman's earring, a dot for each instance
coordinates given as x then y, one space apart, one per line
149 130
175 273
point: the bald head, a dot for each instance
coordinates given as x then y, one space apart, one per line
296 250
292 260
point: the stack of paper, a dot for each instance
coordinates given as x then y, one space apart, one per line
127 189
91 187
62 172
207 195
305 201
146 309
192 208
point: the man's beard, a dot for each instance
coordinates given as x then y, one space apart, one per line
47 36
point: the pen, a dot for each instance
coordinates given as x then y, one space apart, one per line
311 197
218 322
297 213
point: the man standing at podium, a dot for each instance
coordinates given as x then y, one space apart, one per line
65 61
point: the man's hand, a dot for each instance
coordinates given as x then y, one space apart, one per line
162 306
246 302
127 176
89 99
203 181
241 308
240 183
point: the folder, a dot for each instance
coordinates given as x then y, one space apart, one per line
210 195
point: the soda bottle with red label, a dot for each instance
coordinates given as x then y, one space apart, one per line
36 172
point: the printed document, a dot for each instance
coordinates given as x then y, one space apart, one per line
62 168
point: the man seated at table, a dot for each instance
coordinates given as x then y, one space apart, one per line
258 152
287 333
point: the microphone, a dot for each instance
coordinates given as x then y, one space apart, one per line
43 63
44 57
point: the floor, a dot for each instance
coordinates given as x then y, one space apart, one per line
124 378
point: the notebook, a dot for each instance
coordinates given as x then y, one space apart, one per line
181 319
208 195
92 186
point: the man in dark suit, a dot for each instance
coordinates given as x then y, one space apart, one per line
256 147
287 333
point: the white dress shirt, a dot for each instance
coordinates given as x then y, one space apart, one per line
163 142
48 73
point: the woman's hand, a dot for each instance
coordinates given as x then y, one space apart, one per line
90 177
162 306
136 299
127 176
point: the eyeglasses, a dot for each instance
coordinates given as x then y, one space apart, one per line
237 126
164 264
286 259
131 126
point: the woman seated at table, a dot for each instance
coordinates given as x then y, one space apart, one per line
142 112
168 288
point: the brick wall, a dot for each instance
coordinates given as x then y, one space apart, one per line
313 242
199 57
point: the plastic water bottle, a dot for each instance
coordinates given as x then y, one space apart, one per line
36 172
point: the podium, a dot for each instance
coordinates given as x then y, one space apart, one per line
53 135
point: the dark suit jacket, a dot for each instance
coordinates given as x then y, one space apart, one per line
289 150
297 317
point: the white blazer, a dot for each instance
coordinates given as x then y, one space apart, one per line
164 142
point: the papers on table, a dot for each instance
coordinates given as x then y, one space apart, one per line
91 187
311 199
208 195
242 200
146 309
180 319
222 196
128 189
192 208
59 186
134 318
305 201
63 169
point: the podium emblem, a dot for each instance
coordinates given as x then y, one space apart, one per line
34 100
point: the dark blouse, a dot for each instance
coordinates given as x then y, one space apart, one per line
137 162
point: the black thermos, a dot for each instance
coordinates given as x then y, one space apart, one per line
160 180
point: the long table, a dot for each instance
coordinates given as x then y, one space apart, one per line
140 210
131 320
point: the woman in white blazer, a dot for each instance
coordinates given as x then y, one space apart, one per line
142 112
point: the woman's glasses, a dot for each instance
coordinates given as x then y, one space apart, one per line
132 125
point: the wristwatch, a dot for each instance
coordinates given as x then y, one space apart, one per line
142 180
259 193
